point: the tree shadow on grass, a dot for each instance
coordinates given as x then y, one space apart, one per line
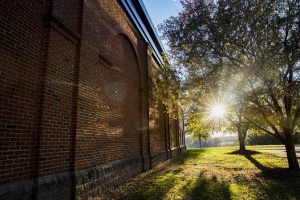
158 184
203 188
244 152
190 154
271 183
276 183
208 189
257 164
157 187
274 173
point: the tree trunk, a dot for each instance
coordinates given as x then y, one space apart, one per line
242 141
242 133
290 152
200 142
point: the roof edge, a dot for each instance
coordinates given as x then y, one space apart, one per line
137 12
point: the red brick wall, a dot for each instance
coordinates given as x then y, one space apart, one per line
165 132
68 12
73 96
56 128
21 58
109 107
173 133
157 128
158 119
181 129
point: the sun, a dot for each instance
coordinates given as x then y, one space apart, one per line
218 111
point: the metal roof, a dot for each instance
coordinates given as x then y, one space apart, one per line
136 10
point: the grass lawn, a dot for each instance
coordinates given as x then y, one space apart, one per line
214 173
278 150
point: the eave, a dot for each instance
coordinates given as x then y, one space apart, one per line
137 12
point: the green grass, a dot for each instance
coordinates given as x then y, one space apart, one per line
214 173
278 150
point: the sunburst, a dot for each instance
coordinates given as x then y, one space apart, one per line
216 112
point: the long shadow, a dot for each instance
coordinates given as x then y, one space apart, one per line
203 188
273 173
155 187
298 152
208 189
157 184
256 163
248 154
276 183
190 154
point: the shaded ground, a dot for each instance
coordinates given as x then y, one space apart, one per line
214 173
278 150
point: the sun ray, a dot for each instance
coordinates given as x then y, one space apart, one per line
218 111
215 111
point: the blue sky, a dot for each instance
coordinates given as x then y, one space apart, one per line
159 10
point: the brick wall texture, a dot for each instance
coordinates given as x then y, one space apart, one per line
75 93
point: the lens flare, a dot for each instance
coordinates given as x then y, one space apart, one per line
218 111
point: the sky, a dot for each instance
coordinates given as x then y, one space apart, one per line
160 10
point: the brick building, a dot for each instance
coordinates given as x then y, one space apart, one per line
76 112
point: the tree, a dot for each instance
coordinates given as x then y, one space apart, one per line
242 133
259 41
242 127
166 88
199 130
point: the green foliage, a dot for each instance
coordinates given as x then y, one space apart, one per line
256 41
248 48
197 128
166 88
